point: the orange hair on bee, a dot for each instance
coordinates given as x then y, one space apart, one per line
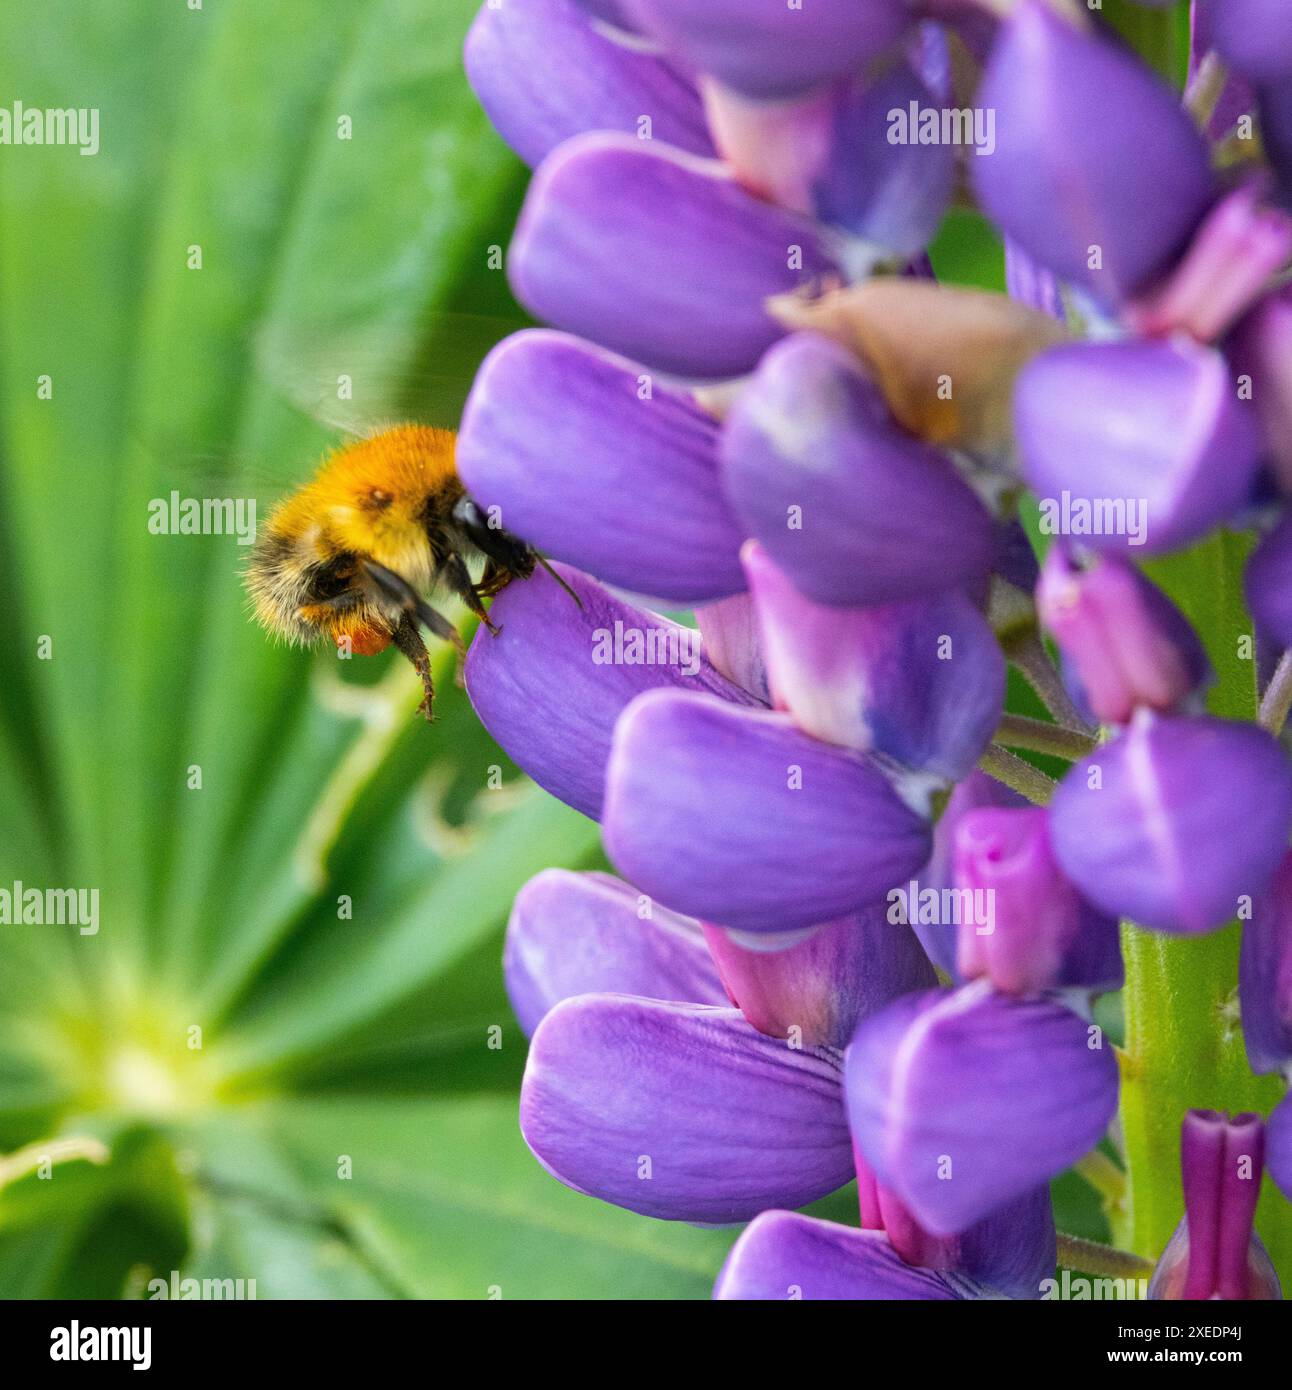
377 499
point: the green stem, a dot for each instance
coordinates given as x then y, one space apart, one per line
1018 775
1104 1260
1038 736
1184 1045
1029 655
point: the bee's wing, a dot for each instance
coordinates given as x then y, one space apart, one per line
198 470
348 381
356 379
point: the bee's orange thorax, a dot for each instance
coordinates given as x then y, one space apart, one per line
374 496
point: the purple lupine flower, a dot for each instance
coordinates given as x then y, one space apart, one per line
736 816
1265 975
1253 36
590 255
765 48
602 85
1214 1252
1275 104
618 14
1041 934
1263 354
1129 646
557 428
768 782
828 154
935 1080
1265 995
815 988
572 934
937 935
1174 821
853 509
922 681
681 1111
1107 202
1268 583
552 684
1136 445
1238 249
785 1254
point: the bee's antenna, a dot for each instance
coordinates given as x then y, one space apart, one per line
558 579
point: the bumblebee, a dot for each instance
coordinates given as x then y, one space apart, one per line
351 554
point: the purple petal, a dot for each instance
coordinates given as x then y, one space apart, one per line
553 682
922 681
1262 351
964 1101
1015 558
658 255
1010 1252
1130 185
1040 933
736 817
1128 644
1228 266
830 154
785 1255
1214 1252
853 510
681 1112
814 991
1175 822
1134 445
1030 283
1254 37
588 82
731 642
938 936
1275 105
1268 583
1265 975
766 48
574 934
891 193
1278 1146
616 13
596 465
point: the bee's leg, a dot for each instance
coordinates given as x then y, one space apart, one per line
456 575
413 605
494 579
409 641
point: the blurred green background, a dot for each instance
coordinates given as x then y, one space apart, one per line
286 1055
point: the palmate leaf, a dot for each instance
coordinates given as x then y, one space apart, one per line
320 1031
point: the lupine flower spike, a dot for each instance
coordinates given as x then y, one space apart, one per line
862 924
